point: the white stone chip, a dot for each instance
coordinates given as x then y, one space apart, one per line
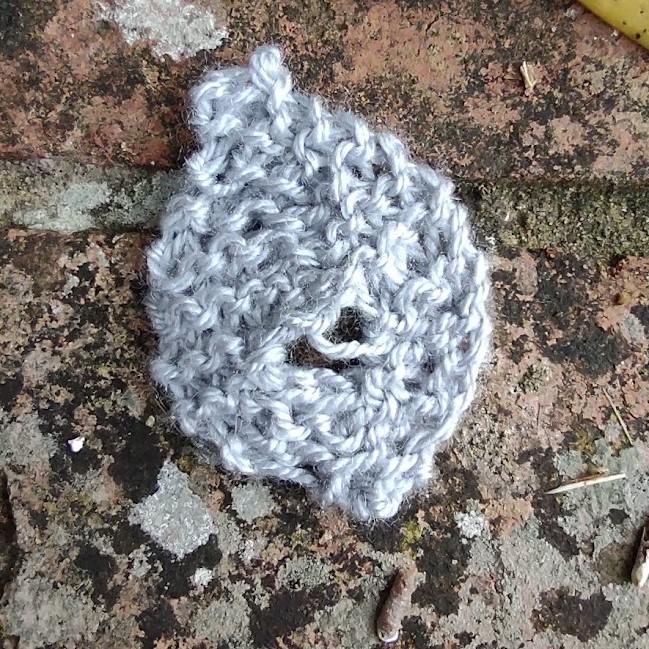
77 443
201 578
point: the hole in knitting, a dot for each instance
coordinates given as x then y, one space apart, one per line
204 242
254 226
412 385
429 365
348 328
380 170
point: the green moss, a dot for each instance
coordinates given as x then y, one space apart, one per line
411 533
187 461
583 442
534 378
603 220
299 538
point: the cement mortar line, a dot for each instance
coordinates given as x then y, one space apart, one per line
600 219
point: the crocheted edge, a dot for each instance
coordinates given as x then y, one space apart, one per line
425 457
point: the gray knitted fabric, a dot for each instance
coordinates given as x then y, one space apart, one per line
320 306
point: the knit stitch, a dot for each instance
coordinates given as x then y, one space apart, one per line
293 219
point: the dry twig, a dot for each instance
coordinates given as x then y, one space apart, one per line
586 482
618 416
396 606
528 77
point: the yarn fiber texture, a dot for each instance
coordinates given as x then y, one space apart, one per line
321 309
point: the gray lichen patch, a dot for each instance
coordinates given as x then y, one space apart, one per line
252 501
472 523
65 196
348 624
303 573
176 29
587 512
227 533
525 567
23 442
226 620
139 564
174 516
252 549
42 613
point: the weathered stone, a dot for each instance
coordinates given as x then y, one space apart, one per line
500 564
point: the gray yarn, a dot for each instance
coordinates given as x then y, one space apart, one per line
294 215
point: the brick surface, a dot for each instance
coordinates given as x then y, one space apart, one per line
446 76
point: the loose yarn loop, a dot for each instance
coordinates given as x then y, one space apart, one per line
294 216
